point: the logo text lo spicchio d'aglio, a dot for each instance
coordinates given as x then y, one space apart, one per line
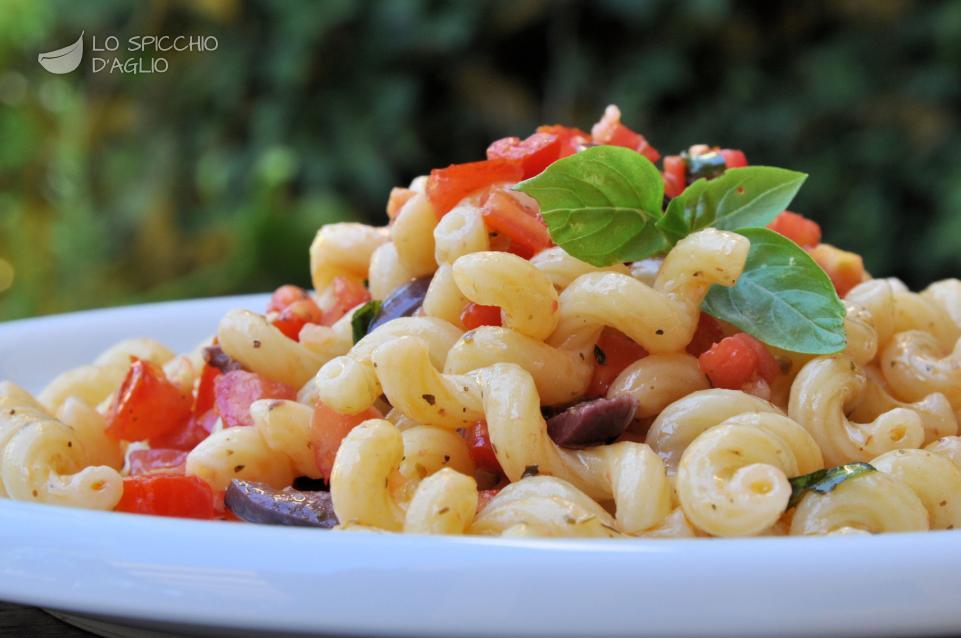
108 56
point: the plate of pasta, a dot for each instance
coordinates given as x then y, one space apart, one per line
618 393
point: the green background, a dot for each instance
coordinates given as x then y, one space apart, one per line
211 178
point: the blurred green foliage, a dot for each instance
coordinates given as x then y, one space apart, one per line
212 177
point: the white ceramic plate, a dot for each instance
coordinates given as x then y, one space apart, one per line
176 575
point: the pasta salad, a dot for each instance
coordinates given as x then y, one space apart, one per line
573 337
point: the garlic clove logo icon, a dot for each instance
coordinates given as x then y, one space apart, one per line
63 60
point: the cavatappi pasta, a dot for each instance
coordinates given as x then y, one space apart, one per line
456 372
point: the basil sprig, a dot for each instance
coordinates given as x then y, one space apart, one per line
740 198
782 297
604 205
362 318
823 481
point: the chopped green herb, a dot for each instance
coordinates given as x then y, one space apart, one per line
362 319
823 481
599 355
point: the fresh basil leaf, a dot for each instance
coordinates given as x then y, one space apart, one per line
601 205
740 198
823 481
362 318
782 298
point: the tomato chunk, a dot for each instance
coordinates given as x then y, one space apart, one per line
205 389
484 497
297 315
398 197
708 333
733 158
737 360
481 449
610 130
348 293
475 315
614 352
571 139
146 404
675 175
528 233
235 391
328 428
535 153
447 186
846 269
284 296
167 495
798 228
186 437
157 460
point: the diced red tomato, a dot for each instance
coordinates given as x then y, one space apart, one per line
846 269
610 130
733 158
147 404
617 351
535 153
737 360
527 232
328 428
186 437
398 197
157 460
235 391
348 293
286 295
205 389
798 228
167 495
447 186
570 139
297 315
481 449
475 315
708 333
675 175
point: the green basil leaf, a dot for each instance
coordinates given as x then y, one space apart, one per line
362 318
782 298
823 481
740 198
601 205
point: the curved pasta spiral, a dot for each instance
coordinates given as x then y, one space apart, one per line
262 348
343 250
657 380
934 479
937 415
873 502
543 506
733 478
44 460
684 420
915 365
661 318
360 486
823 392
349 383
